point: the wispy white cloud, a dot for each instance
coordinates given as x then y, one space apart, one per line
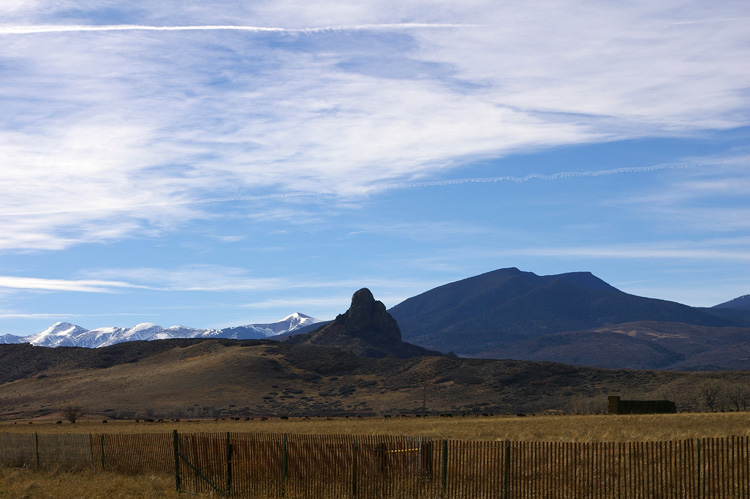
57 28
222 278
59 316
192 278
710 198
84 286
340 301
128 130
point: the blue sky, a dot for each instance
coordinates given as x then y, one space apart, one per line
221 163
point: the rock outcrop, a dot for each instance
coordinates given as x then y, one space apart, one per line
366 329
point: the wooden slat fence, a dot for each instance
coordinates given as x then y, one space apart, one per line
308 466
133 454
312 466
71 451
18 450
348 466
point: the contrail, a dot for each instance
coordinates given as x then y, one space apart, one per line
459 181
538 176
40 29
707 21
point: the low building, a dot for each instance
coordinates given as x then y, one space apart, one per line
617 406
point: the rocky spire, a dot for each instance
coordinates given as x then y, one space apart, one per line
368 318
366 329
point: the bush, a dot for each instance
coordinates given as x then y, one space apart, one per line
73 412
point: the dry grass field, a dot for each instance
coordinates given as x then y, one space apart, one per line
17 483
24 483
562 428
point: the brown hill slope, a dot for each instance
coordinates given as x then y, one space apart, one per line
209 378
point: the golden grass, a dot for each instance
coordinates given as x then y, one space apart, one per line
588 428
17 483
24 483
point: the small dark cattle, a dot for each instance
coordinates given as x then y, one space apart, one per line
617 406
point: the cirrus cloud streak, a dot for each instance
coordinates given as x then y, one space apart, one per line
124 130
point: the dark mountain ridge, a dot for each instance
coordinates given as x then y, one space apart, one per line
739 303
482 313
736 310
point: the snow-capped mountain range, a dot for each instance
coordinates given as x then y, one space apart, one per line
63 334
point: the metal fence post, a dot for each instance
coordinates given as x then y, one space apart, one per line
507 469
283 467
229 464
354 470
445 467
36 440
176 461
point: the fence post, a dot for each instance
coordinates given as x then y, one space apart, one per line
176 461
36 440
427 449
283 467
229 464
507 469
354 471
699 469
102 449
445 468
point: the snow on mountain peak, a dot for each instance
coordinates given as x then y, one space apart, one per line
144 326
297 320
9 339
61 329
63 334
295 315
58 334
66 334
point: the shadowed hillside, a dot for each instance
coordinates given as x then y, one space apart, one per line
231 378
640 345
508 312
